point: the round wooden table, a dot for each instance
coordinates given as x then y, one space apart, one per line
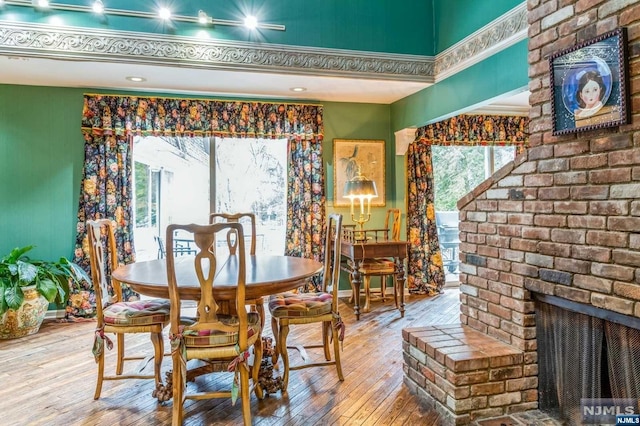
265 275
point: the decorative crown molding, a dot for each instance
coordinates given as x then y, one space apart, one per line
35 40
499 34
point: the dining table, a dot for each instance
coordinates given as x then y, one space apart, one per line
265 275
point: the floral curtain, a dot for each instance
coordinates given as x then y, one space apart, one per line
109 123
425 270
305 202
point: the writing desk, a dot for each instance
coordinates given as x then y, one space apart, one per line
359 246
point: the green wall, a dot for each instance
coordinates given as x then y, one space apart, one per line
455 20
42 152
41 155
365 25
504 72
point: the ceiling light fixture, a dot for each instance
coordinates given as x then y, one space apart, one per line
203 18
164 13
98 6
136 79
251 22
141 14
298 89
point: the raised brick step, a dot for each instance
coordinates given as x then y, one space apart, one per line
465 374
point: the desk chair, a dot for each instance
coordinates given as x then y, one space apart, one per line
382 268
306 308
221 340
247 220
115 316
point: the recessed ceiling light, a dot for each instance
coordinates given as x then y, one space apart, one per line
136 79
298 89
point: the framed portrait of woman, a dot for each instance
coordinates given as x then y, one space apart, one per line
589 84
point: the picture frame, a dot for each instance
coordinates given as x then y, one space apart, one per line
353 155
589 84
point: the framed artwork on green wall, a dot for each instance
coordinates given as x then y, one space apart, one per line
353 157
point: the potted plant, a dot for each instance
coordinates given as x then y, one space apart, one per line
27 286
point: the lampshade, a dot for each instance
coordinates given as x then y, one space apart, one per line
360 186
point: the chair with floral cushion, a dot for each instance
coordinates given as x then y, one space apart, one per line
220 340
292 308
116 316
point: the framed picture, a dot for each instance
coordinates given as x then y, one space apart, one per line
589 84
353 156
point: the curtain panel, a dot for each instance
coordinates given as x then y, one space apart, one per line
425 269
109 123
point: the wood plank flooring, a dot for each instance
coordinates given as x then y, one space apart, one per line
49 378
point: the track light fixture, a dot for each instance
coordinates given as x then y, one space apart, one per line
98 7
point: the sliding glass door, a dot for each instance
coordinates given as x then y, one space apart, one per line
183 179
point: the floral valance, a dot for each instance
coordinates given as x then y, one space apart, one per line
476 130
135 115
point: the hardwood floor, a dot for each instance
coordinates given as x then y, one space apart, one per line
49 378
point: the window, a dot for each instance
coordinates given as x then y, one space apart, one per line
172 184
456 171
459 169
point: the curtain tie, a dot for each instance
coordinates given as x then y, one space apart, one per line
99 343
338 324
234 366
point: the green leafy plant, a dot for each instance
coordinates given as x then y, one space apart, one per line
51 279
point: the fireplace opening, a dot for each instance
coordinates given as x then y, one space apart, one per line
584 353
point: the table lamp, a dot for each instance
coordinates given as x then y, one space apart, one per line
364 190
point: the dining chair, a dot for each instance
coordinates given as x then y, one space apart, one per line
222 340
382 268
113 315
248 220
292 308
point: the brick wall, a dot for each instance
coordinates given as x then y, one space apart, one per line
564 218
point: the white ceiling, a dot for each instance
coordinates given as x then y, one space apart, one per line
110 75
212 82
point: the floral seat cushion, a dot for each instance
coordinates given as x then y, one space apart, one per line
299 304
141 312
213 338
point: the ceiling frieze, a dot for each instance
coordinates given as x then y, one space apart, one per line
83 44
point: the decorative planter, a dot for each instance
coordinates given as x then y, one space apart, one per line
27 319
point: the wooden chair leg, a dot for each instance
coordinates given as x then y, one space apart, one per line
120 361
367 294
244 396
179 384
276 342
383 287
336 348
259 308
96 395
255 370
282 344
326 333
158 348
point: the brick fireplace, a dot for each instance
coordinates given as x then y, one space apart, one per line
562 220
